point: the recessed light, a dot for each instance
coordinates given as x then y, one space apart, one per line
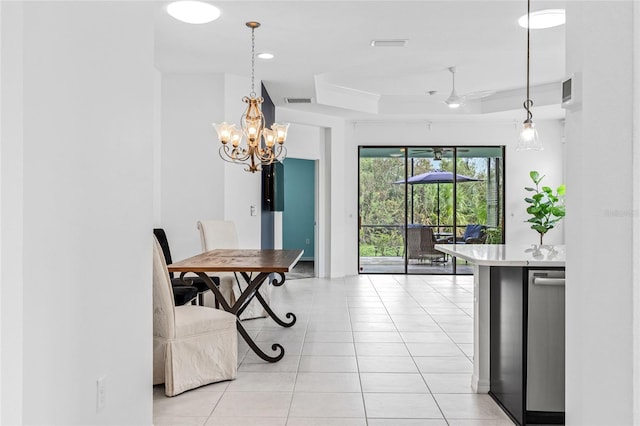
193 12
265 55
540 19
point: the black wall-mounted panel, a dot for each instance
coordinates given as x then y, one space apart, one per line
267 218
273 187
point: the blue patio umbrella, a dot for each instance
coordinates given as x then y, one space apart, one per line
437 177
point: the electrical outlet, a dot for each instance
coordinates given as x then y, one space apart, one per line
101 393
308 241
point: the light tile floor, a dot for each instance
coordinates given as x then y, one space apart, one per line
370 350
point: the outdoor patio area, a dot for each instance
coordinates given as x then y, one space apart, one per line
396 264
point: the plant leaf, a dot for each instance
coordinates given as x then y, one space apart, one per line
562 189
534 176
530 189
540 228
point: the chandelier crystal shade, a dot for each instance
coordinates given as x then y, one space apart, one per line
253 153
528 138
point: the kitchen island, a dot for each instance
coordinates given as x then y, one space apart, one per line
506 270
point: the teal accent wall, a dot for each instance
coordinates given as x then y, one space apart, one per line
299 206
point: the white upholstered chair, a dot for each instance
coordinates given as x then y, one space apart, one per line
192 345
222 234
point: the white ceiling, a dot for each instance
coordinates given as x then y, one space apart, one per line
323 52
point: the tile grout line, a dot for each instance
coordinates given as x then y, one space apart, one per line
409 352
295 381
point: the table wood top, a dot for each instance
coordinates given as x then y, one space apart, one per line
236 260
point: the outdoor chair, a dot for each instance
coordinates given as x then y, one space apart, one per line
473 234
421 244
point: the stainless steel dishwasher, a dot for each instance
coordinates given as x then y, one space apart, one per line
545 341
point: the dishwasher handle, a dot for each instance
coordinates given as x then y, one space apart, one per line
548 281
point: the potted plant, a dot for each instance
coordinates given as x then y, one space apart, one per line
545 207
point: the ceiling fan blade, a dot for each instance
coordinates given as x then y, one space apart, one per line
480 94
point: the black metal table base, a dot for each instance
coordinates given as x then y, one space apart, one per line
253 285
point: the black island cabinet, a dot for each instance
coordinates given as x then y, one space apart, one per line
527 343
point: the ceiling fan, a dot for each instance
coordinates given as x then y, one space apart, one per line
456 101
437 152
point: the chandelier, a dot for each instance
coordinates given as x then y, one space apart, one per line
528 138
253 153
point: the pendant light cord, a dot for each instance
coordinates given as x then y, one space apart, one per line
253 62
528 103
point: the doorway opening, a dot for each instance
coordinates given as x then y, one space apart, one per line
298 217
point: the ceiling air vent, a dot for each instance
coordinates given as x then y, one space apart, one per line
298 100
389 43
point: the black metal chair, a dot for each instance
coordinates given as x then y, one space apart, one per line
183 294
197 282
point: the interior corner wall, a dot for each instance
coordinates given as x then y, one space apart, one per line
333 213
304 143
85 189
192 174
600 217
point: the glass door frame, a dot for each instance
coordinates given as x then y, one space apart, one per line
406 149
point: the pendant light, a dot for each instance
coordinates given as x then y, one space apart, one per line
253 154
528 138
454 100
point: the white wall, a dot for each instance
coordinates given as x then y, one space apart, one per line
242 189
550 161
600 251
11 214
305 142
333 216
192 174
196 184
341 166
86 199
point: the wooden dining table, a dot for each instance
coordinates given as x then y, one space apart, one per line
255 266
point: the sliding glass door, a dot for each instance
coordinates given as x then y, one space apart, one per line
383 205
411 198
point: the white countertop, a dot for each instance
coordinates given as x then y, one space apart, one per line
507 254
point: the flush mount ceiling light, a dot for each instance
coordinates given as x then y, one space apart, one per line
252 123
454 101
265 55
528 138
193 12
541 19
389 43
